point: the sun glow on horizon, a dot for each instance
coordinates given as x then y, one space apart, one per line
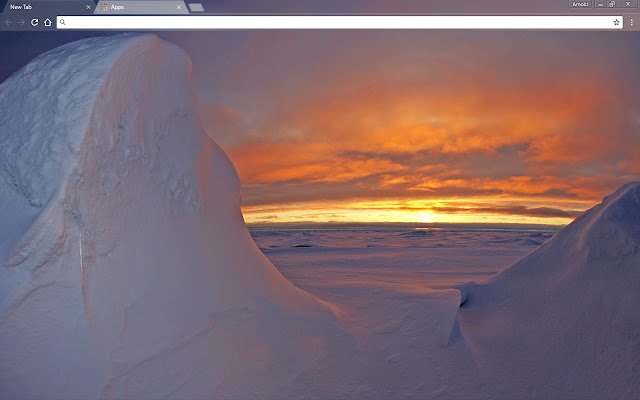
415 211
425 217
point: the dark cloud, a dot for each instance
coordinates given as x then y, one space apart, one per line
512 210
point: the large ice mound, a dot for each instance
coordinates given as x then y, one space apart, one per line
126 270
564 322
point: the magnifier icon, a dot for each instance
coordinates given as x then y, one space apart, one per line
62 21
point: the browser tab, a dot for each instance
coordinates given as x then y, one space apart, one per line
141 7
196 7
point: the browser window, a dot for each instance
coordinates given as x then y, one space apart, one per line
319 200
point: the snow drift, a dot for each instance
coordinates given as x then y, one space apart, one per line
564 322
126 270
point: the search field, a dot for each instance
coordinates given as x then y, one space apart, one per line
260 22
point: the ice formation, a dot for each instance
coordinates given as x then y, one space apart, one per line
126 270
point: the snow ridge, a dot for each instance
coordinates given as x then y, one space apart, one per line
125 256
555 318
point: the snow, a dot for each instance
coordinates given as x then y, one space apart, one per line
564 321
399 300
126 269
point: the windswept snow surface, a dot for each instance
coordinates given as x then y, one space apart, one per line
394 290
126 270
564 322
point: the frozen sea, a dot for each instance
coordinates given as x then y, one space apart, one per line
317 258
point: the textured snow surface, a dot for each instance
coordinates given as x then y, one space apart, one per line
126 268
565 320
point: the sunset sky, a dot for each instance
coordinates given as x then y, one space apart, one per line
431 126
421 126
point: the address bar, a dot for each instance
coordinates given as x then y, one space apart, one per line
259 22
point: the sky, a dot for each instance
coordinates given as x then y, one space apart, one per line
411 126
421 126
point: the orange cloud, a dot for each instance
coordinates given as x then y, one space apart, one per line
479 122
